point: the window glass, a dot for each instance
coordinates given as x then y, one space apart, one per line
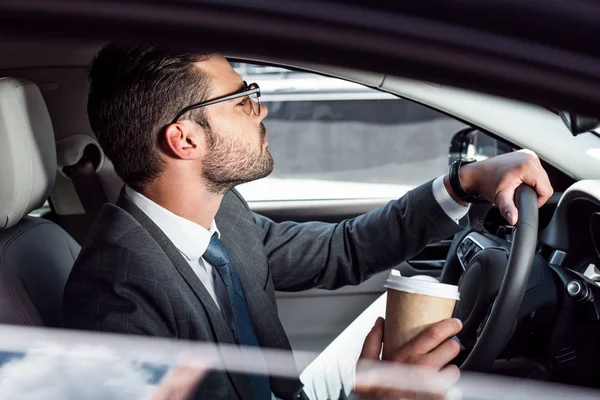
42 363
333 139
40 211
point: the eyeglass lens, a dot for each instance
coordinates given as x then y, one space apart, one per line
255 104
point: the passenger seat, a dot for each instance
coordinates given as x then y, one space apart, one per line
36 255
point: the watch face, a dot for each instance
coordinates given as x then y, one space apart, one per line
468 160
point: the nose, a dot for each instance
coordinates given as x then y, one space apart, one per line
264 111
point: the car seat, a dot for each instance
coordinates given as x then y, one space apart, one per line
36 255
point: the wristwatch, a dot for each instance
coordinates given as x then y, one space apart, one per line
455 184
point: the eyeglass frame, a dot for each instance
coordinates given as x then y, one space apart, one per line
250 89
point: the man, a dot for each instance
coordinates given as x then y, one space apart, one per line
181 255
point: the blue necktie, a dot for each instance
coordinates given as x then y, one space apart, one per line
217 256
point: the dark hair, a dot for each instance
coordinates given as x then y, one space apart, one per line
135 92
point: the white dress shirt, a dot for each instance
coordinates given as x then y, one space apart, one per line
192 239
454 210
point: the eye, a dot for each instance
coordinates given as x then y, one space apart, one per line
244 101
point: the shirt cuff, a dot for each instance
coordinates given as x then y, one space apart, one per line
454 210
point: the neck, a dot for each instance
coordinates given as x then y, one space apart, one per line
193 202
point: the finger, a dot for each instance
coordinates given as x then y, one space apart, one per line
429 339
448 377
441 355
378 381
451 373
373 342
536 177
544 188
506 204
433 385
382 387
384 394
381 380
179 384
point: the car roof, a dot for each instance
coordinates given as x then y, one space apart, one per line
524 50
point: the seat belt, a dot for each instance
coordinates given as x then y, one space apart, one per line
87 184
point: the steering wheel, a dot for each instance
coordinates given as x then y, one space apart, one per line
493 333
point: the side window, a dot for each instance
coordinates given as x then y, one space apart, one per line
40 211
333 139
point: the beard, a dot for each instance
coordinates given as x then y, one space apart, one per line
229 163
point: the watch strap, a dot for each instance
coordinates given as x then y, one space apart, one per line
457 187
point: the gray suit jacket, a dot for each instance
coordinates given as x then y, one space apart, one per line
130 278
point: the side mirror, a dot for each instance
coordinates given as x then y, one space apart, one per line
578 124
473 143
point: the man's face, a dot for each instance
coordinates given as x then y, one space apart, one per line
236 140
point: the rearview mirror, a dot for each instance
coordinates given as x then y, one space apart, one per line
473 143
578 124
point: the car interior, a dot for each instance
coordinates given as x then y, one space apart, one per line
543 324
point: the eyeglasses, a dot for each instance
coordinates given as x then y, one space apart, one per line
251 103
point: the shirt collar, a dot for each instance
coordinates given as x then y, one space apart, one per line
190 238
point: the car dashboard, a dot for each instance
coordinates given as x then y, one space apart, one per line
573 235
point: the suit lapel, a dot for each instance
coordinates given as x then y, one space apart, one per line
237 232
239 236
220 329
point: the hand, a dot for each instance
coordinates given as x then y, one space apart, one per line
497 178
431 349
179 384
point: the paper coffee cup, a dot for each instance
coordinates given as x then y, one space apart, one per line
413 304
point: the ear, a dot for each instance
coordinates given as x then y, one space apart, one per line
182 140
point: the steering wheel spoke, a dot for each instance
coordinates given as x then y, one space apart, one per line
485 320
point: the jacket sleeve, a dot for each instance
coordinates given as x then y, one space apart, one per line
324 255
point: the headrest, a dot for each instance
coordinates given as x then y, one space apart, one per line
27 150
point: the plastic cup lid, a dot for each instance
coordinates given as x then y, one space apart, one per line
421 285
